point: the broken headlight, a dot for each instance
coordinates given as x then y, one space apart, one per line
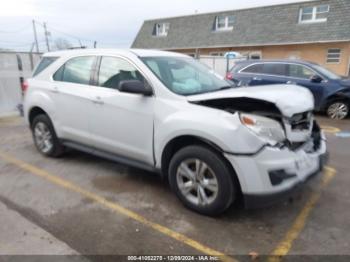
264 127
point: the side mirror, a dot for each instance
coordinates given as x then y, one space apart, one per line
134 87
316 79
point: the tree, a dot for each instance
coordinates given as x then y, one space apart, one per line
62 43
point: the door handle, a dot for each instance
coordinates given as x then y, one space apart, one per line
257 78
290 83
98 101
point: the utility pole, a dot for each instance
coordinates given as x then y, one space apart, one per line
35 37
47 38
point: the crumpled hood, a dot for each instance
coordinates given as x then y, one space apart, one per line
289 99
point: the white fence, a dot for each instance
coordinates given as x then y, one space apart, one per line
14 68
219 64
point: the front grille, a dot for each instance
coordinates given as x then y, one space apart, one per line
316 139
295 146
316 136
301 121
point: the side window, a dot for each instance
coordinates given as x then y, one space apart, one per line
275 69
113 70
77 70
59 74
300 71
44 63
257 68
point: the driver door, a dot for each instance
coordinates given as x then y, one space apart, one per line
301 75
121 123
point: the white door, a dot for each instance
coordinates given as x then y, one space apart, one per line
122 123
73 99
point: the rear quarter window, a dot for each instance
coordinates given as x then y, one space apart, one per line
44 63
76 70
256 68
275 69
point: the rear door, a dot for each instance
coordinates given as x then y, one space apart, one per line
301 75
265 74
274 73
72 97
250 75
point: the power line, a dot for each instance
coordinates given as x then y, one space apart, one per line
80 38
64 33
12 42
50 28
15 44
15 31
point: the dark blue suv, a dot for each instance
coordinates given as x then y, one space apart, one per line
331 92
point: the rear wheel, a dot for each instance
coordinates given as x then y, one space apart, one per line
45 138
338 110
201 180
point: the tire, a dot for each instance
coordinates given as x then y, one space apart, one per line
214 171
45 138
338 110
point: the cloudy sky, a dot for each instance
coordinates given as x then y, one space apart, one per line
112 23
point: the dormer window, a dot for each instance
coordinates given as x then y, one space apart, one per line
223 22
314 14
162 29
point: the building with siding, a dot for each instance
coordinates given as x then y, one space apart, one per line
317 31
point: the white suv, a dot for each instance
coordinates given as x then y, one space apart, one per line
166 112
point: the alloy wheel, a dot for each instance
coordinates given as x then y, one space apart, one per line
197 182
338 110
43 137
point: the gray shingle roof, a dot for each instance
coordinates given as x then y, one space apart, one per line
268 25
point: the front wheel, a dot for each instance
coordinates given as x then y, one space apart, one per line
202 180
338 110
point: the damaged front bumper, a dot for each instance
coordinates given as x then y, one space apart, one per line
273 174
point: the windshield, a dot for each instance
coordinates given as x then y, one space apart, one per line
185 76
326 72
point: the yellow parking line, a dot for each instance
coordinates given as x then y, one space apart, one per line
285 245
114 207
330 129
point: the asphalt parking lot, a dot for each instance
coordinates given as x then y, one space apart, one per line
81 204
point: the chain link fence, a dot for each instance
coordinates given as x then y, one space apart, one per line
220 64
14 68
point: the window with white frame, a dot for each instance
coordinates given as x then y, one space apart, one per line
162 29
255 55
223 22
333 56
314 14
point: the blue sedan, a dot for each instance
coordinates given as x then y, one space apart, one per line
331 92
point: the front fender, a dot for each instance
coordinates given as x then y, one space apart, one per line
342 94
220 128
